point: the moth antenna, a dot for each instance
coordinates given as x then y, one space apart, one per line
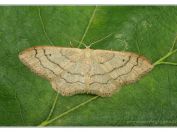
71 45
100 39
85 45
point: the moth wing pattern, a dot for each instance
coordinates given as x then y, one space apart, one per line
119 68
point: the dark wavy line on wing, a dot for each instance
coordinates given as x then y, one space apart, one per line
119 75
66 57
60 65
109 59
36 52
115 68
70 81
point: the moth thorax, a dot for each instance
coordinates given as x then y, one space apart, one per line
87 54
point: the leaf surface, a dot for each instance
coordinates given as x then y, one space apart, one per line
26 99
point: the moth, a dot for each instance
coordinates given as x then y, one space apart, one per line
72 70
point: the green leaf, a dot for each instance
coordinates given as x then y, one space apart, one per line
27 99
